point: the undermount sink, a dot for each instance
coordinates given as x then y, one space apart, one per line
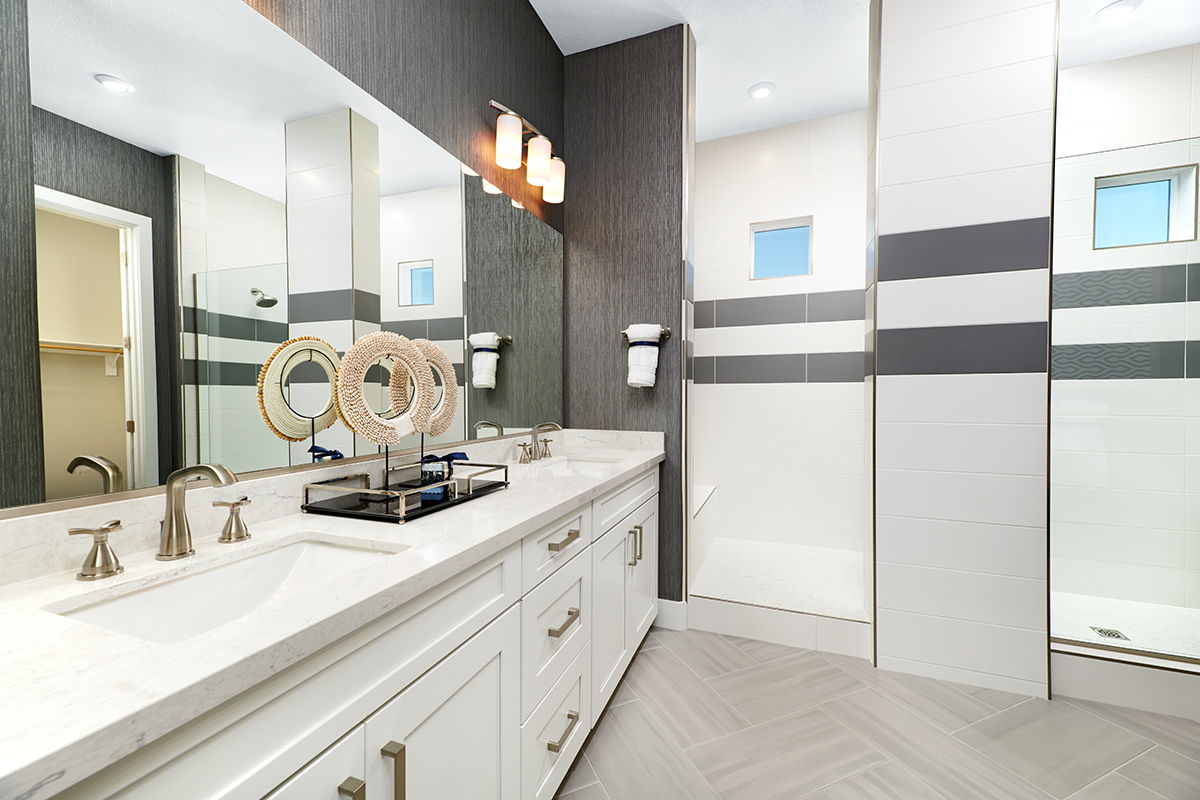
187 606
593 466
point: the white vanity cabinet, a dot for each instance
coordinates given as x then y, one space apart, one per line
343 762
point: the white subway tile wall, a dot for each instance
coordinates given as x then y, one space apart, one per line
966 132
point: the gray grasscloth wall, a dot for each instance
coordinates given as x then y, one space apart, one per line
512 255
437 65
20 368
624 263
75 159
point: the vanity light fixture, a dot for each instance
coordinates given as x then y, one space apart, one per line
542 167
1116 12
489 188
468 171
760 91
115 84
517 204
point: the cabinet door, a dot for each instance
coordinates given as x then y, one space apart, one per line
610 576
459 724
325 773
643 580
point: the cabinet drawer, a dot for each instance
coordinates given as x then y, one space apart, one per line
555 545
324 774
543 769
610 509
556 623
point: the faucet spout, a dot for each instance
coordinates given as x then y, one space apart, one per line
176 539
541 452
110 473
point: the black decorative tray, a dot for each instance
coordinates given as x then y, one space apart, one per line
406 497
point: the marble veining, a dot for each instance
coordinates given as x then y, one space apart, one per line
77 697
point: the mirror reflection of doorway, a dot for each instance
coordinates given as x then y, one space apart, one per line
96 433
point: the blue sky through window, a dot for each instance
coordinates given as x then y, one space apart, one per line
421 281
1137 213
781 253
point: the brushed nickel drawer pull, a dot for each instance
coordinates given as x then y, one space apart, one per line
633 557
353 788
638 528
395 750
572 618
556 547
555 747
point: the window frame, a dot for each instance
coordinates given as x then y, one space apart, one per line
405 269
1182 200
779 225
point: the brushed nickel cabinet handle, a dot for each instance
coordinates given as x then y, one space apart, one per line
395 751
638 528
633 558
556 547
572 618
555 747
353 788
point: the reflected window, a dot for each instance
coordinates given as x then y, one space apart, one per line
415 281
1145 208
781 249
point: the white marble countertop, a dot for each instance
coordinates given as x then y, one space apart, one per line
77 698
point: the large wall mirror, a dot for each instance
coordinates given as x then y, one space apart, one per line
286 202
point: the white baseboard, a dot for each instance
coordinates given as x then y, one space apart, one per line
1147 688
806 631
672 615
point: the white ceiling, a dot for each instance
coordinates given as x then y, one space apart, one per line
814 51
1156 25
215 83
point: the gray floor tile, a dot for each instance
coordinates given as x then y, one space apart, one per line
942 762
1114 787
636 758
1052 744
708 654
939 702
888 781
688 708
1166 773
581 775
783 759
593 792
770 690
651 641
1173 733
762 652
993 697
623 694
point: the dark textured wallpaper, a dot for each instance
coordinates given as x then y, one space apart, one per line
624 261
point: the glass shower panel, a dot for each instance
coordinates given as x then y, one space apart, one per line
1125 414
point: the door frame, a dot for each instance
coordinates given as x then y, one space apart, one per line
137 312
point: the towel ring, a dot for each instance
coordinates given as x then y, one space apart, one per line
284 421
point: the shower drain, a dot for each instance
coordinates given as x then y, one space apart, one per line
1109 633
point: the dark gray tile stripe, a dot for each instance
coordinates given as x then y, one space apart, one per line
1193 282
791 368
962 350
445 329
835 368
230 326
366 306
1119 361
442 329
1121 287
967 250
321 306
780 309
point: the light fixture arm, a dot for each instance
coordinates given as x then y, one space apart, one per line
529 129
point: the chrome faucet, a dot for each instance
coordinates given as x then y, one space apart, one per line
483 423
544 450
176 540
110 473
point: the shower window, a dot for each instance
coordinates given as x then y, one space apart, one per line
1152 207
781 249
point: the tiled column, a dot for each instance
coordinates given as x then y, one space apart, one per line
965 160
333 243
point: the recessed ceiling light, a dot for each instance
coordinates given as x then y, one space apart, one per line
1116 12
760 90
114 84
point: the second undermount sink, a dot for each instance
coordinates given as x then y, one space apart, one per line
187 606
594 466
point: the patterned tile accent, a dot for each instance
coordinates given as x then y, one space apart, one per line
1120 287
1117 361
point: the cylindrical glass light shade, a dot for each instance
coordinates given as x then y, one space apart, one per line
517 204
468 171
552 192
509 132
489 188
537 171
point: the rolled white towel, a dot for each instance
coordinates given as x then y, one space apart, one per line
484 359
643 358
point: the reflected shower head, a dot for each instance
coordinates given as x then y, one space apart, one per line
264 300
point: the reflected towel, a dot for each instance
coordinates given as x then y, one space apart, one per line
484 359
643 354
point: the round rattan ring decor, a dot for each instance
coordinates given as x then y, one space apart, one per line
279 415
443 413
353 404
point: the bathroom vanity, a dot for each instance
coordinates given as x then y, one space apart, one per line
466 654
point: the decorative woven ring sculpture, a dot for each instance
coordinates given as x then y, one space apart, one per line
280 417
353 403
443 413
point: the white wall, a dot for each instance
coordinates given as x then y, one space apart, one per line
786 458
